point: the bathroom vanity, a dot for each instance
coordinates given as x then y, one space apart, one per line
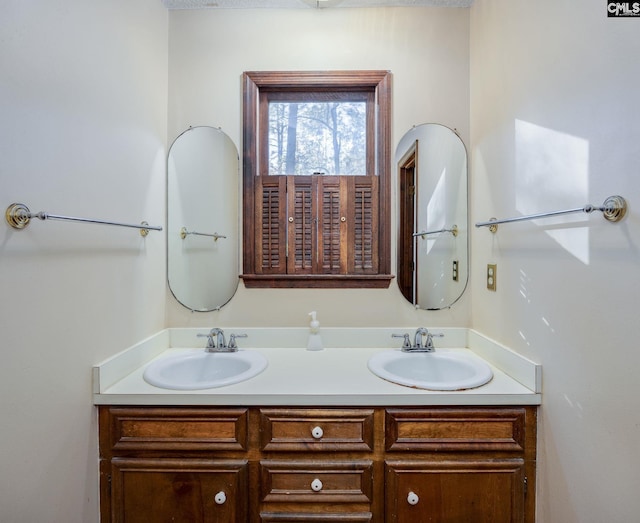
331 443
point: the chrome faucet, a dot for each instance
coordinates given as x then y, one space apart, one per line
216 341
417 338
417 341
220 341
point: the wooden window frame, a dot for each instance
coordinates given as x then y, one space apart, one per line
255 84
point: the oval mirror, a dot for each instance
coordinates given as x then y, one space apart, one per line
433 250
202 218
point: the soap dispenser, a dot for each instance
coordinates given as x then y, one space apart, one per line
315 340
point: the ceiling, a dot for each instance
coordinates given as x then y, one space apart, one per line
305 4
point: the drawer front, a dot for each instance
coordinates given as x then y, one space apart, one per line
316 482
316 430
175 429
302 517
457 429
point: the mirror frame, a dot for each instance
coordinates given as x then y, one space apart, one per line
401 161
211 196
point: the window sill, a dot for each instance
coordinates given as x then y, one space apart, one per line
319 281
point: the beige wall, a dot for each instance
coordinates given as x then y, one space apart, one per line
83 131
84 98
551 123
556 124
427 51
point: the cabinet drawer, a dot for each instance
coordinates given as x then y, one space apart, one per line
316 430
457 429
301 517
174 429
316 482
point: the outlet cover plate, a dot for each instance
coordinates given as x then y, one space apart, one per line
492 276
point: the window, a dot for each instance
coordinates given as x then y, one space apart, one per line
316 184
317 137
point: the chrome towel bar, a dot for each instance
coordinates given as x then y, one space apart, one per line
453 230
18 216
184 233
613 209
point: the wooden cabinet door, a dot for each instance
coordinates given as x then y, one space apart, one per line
178 491
482 491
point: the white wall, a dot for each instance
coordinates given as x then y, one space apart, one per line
426 49
555 123
83 130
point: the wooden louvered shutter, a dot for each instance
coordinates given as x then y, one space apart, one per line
317 225
332 238
302 223
363 228
270 233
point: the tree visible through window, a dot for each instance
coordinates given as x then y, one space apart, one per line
317 138
316 182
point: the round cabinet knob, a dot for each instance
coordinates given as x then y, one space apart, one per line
316 485
317 432
220 498
413 498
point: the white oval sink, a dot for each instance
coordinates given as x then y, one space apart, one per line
204 370
439 370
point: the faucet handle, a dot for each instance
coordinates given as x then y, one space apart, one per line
211 344
406 344
430 336
232 340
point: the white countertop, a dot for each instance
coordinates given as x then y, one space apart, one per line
335 376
